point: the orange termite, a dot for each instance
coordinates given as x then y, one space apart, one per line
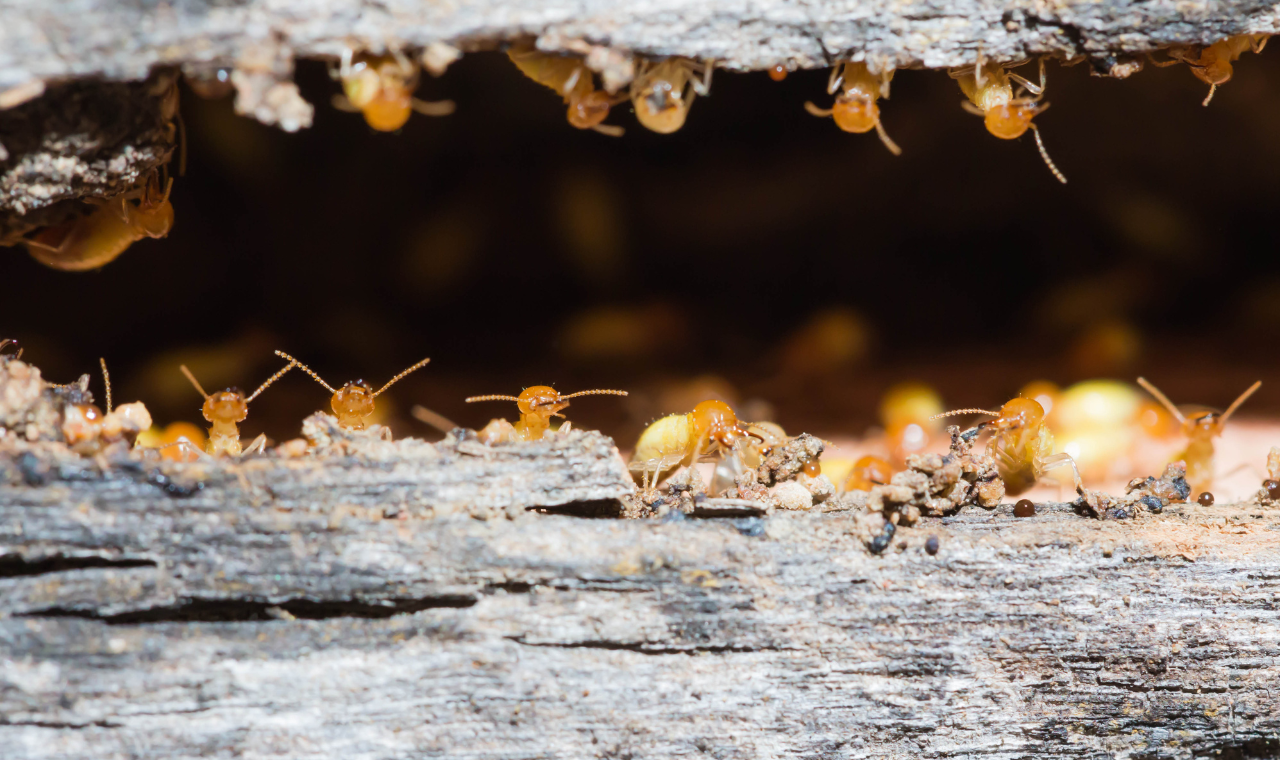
778 72
537 405
96 240
867 472
989 88
381 87
855 109
225 410
1200 425
569 76
1212 64
663 92
683 439
353 403
1022 444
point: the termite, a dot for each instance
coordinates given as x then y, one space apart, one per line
683 439
867 472
662 92
96 240
1200 424
1212 64
569 76
907 412
224 410
537 405
1022 444
855 109
86 429
989 88
353 403
778 72
381 87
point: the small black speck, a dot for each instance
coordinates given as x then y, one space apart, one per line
931 545
34 472
750 526
881 542
674 516
1153 505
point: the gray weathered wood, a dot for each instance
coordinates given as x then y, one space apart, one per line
65 39
167 627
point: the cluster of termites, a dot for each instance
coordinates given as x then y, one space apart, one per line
381 87
1020 444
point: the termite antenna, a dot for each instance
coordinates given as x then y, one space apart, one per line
106 380
395 379
598 392
816 111
1045 155
1236 404
193 380
271 380
306 369
1163 399
432 418
492 397
954 412
890 144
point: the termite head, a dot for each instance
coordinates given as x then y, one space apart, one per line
1019 414
81 423
223 407
381 87
1203 422
154 214
541 401
855 113
353 404
660 105
1011 120
715 421
590 110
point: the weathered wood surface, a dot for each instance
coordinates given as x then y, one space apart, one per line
164 627
62 39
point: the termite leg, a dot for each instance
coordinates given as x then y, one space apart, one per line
258 445
1062 460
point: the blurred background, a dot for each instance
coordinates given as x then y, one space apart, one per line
759 254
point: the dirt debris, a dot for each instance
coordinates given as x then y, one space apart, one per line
934 484
1149 494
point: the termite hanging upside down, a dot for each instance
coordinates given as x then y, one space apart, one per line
381 87
225 410
537 405
683 439
663 92
1200 425
96 240
855 109
1022 444
1212 64
353 403
990 91
569 76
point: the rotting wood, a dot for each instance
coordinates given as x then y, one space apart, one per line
153 627
347 602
